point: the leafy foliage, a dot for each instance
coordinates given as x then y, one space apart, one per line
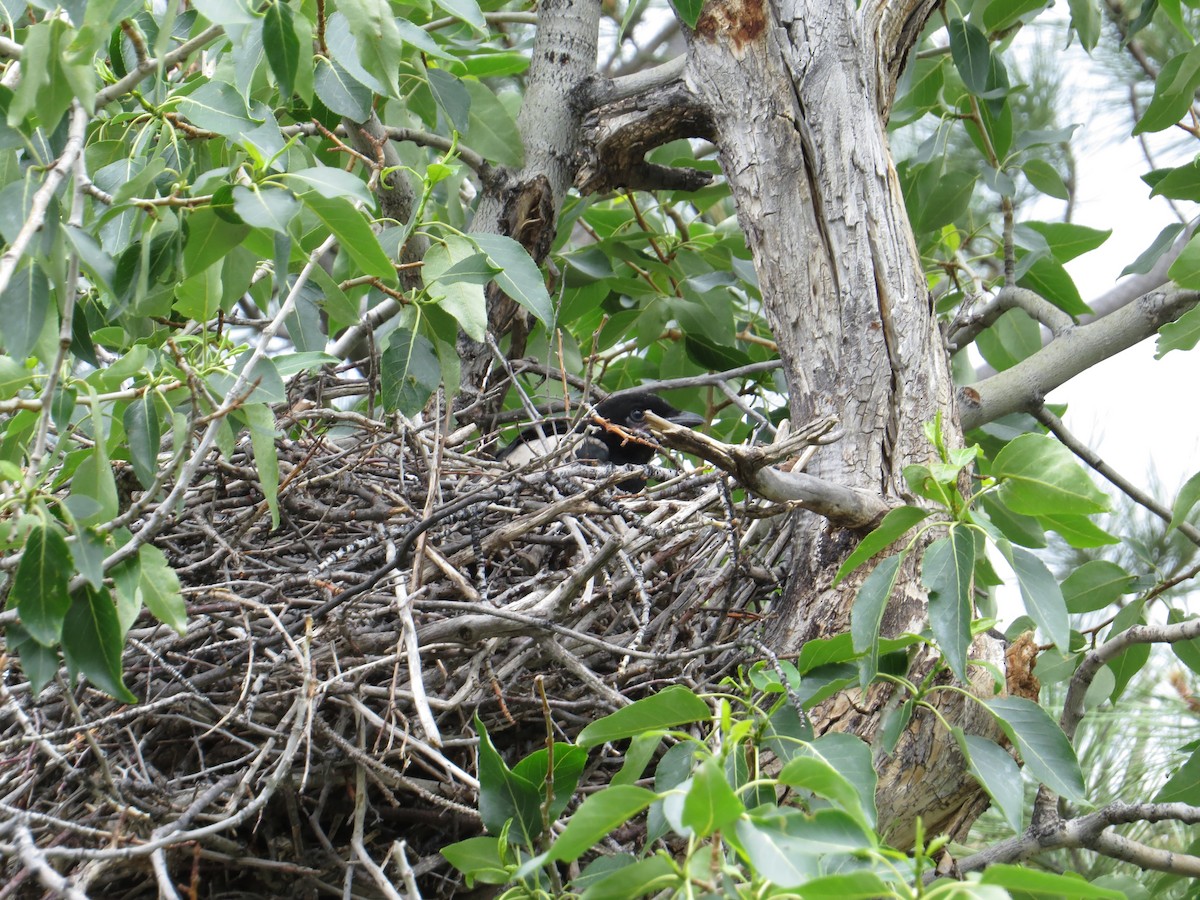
210 208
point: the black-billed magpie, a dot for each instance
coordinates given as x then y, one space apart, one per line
594 441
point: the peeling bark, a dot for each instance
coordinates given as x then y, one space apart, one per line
798 102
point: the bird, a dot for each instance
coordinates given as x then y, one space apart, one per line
593 441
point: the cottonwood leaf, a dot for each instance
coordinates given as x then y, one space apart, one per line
1047 752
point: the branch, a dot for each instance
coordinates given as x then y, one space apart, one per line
1023 387
618 135
41 197
1088 833
1135 285
1038 307
753 469
472 159
1092 458
234 397
147 66
600 91
1094 660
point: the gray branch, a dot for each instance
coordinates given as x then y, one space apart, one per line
753 469
1073 709
1089 833
1023 387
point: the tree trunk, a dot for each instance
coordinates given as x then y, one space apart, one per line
797 95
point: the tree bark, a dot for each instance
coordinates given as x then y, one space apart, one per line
525 204
797 93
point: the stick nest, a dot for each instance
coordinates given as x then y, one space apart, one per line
312 733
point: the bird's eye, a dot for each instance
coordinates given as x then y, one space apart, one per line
637 415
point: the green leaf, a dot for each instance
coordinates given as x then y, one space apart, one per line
712 356
419 38
505 796
218 107
866 614
1014 336
144 436
789 850
355 237
330 183
492 130
24 305
270 208
409 372
947 200
1038 475
569 762
1067 240
1174 92
92 641
1181 183
1184 785
688 11
479 859
971 54
518 275
380 46
39 589
1184 332
1041 593
946 571
38 662
637 879
198 297
160 588
861 885
1188 495
816 774
599 814
670 707
210 238
1045 178
227 12
1151 255
1094 585
1048 278
710 804
466 10
462 298
1001 14
1024 530
13 377
1047 752
340 91
997 773
48 80
1078 531
852 757
895 524
1174 13
1027 882
1085 19
266 459
98 264
88 550
1187 652
94 481
282 46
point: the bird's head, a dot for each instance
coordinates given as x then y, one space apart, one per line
628 411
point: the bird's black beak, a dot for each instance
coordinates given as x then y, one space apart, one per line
690 419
